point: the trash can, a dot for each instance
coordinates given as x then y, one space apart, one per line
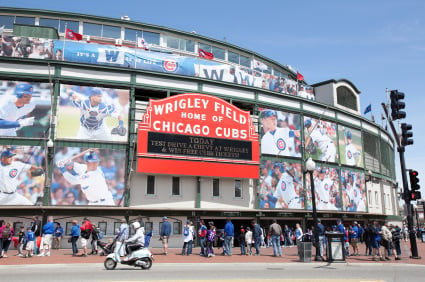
304 251
335 246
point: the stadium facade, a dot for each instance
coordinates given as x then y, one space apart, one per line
212 130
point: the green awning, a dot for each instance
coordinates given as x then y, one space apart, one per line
35 31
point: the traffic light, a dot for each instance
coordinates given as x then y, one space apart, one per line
406 134
414 186
397 105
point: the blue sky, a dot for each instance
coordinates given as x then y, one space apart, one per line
377 45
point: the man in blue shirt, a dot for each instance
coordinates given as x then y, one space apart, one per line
48 230
340 228
229 233
165 233
354 238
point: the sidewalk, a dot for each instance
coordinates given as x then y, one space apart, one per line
64 256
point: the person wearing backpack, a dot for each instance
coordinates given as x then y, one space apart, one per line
86 230
187 238
202 236
94 238
6 234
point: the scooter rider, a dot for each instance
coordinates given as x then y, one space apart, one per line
137 241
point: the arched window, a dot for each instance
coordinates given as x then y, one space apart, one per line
346 98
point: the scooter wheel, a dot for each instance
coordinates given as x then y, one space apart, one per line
110 264
148 263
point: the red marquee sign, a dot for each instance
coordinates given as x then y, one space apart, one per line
197 134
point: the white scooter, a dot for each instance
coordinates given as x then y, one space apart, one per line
140 258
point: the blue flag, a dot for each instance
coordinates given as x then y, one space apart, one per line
368 109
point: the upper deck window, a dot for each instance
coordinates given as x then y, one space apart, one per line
25 20
7 21
149 37
346 98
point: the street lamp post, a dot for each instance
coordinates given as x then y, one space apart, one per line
310 166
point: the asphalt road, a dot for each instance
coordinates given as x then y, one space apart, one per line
225 272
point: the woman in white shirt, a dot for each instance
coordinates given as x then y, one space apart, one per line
248 239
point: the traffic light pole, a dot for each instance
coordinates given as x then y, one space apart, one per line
401 149
409 207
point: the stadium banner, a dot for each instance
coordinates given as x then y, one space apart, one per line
93 113
280 133
320 140
197 134
281 185
88 176
152 60
326 186
350 146
353 190
22 173
25 109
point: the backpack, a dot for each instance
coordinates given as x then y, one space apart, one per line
6 233
186 231
85 233
100 234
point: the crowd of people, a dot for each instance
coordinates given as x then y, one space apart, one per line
381 240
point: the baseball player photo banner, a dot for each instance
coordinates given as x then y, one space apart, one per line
326 186
280 133
25 109
350 146
93 113
281 185
320 140
22 175
353 191
88 176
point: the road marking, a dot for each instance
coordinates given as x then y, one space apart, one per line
270 280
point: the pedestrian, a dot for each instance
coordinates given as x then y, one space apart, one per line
229 233
321 235
6 233
211 236
75 234
354 238
29 242
369 238
94 239
275 231
86 230
58 235
122 235
387 241
187 238
256 236
376 231
288 236
36 228
242 242
165 234
341 228
298 233
397 236
248 240
202 233
48 230
21 241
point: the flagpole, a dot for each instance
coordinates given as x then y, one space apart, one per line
135 51
64 42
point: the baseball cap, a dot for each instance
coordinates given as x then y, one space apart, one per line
91 158
280 166
7 154
23 88
164 218
93 92
267 113
322 170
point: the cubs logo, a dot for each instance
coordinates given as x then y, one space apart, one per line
281 145
70 35
84 176
13 173
326 187
283 186
355 193
170 65
349 155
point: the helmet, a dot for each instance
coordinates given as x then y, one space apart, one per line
91 157
307 123
280 166
135 225
268 113
93 92
23 88
349 134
